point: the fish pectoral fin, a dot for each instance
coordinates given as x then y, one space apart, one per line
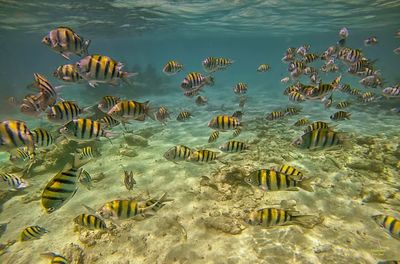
65 56
93 84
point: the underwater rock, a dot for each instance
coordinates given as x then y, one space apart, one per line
368 165
74 254
225 224
136 140
322 248
183 254
128 152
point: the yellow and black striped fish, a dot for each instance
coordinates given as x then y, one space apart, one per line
172 67
340 115
67 73
224 122
109 122
316 125
346 88
342 105
85 179
263 68
354 55
310 57
296 65
91 222
55 258
101 69
355 92
42 138
213 137
292 110
237 132
15 134
195 80
62 187
83 129
292 171
240 88
178 153
271 180
183 116
212 64
12 182
361 66
318 139
321 91
275 115
296 97
269 217
45 88
302 122
32 233
84 153
66 42
162 115
125 209
336 81
21 156
64 111
234 146
108 102
389 223
129 109
292 88
202 155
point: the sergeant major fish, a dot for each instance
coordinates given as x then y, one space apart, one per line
102 69
65 41
318 139
67 73
224 123
195 80
172 67
178 153
83 129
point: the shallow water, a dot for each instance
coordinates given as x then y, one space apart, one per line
205 220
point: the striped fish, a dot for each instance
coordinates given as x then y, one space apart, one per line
55 258
292 111
15 134
172 67
296 97
102 69
342 105
263 68
125 110
34 105
126 209
310 57
66 42
240 88
62 187
237 132
340 115
64 111
354 55
183 116
108 122
271 180
85 179
275 115
21 156
162 115
178 153
269 217
32 233
391 91
212 64
195 81
292 171
389 223
84 153
90 222
233 146
12 182
346 88
224 123
67 73
42 138
45 88
302 122
318 139
213 137
108 102
83 129
355 92
202 155
317 125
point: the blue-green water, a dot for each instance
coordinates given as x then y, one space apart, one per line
205 220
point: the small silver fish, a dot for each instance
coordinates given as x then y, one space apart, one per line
129 181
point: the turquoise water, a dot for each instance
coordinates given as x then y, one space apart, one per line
205 219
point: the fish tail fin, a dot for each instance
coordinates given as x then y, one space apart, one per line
305 184
307 221
149 110
348 116
79 161
157 204
86 44
210 80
